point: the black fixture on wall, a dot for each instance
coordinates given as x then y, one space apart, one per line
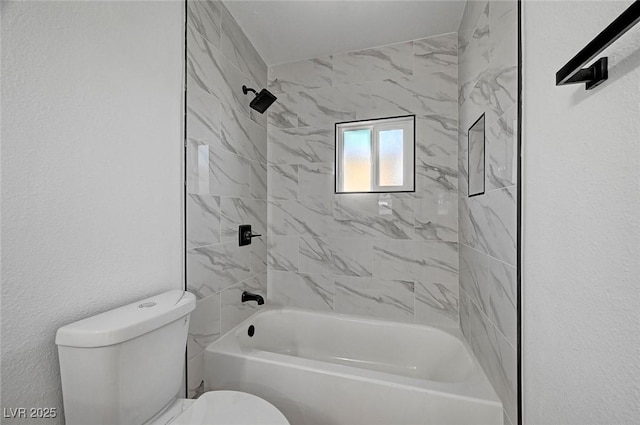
245 234
248 296
594 75
262 101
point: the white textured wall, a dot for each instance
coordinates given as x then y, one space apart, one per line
581 223
91 173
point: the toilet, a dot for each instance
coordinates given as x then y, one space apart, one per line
125 367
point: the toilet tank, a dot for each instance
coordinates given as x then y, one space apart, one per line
123 366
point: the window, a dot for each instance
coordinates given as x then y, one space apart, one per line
375 155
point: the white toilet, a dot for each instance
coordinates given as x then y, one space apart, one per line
125 367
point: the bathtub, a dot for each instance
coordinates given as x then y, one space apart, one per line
331 369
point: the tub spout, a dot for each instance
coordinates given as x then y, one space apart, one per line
248 296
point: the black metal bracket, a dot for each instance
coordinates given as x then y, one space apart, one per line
594 75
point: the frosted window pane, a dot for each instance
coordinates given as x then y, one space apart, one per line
390 157
356 160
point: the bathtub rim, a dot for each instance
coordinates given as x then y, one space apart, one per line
477 388
269 308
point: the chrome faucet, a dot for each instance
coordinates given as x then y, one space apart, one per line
248 296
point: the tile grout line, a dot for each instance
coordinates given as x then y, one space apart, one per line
493 325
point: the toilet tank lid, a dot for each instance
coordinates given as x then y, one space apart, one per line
127 322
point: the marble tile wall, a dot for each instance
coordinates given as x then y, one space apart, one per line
487 74
390 256
227 177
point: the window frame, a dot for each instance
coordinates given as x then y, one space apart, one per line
375 125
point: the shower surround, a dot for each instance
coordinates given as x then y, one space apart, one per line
488 69
388 256
226 177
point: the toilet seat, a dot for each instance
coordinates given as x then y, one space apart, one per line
230 408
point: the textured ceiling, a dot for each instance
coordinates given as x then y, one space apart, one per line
287 31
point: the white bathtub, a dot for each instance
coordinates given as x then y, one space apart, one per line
324 368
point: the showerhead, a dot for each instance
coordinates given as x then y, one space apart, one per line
262 101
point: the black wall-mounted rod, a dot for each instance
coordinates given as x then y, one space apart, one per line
573 72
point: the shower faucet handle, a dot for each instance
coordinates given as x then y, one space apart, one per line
245 234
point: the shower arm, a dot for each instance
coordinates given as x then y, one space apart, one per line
246 90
